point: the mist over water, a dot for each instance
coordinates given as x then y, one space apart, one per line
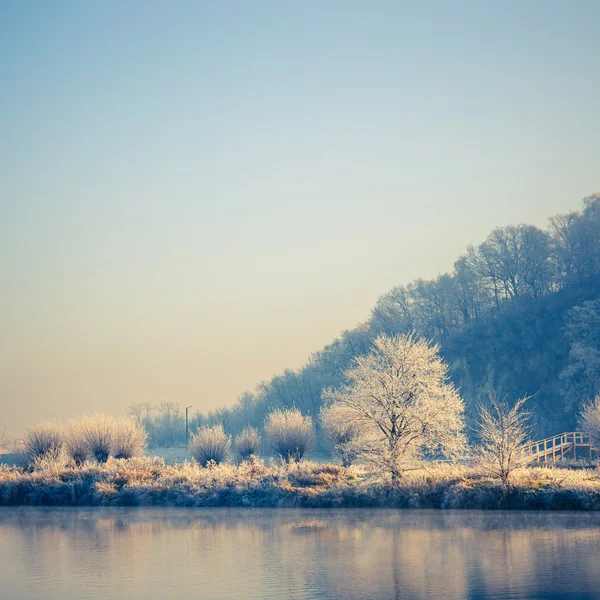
283 553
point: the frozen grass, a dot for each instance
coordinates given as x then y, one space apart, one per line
149 481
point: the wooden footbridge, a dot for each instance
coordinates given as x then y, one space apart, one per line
570 445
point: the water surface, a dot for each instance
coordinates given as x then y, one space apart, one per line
147 554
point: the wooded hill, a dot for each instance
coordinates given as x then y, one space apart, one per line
519 314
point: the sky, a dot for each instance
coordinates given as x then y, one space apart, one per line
195 196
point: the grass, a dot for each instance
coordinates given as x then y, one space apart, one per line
150 482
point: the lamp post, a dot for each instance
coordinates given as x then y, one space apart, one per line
187 430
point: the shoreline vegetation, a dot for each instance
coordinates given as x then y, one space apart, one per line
397 428
148 481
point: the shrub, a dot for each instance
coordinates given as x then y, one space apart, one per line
129 439
343 432
42 440
247 443
210 444
75 444
290 433
98 432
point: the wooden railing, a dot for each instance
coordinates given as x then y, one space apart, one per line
560 446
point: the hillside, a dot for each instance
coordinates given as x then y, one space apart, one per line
529 350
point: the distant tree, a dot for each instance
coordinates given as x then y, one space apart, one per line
168 428
504 245
394 311
487 266
220 416
537 262
561 229
198 420
136 411
247 404
148 407
503 431
586 237
468 291
400 398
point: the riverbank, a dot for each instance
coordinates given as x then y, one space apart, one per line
151 482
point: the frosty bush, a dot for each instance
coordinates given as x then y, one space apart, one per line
343 432
129 439
210 444
42 440
75 445
247 443
290 433
98 433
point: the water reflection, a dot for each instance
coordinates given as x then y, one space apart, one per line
221 553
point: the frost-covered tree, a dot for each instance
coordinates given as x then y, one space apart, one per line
589 419
400 397
503 431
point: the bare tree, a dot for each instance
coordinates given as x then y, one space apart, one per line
537 261
468 291
562 234
399 396
148 407
503 432
394 311
169 427
135 411
220 416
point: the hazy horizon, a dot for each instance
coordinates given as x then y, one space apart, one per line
194 198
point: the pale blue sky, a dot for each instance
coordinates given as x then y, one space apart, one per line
194 196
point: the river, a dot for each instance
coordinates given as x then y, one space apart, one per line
145 554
